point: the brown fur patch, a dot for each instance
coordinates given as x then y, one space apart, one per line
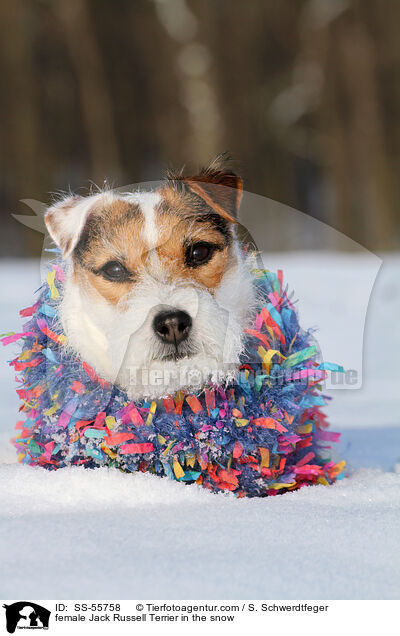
219 187
110 233
115 232
181 223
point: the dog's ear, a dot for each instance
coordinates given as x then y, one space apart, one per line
65 221
219 187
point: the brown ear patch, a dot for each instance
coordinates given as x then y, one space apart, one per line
219 187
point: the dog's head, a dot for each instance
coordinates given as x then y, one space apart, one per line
158 292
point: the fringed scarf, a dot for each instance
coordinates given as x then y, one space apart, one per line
262 434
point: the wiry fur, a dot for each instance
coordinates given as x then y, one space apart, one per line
112 331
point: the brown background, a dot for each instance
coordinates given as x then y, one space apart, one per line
305 94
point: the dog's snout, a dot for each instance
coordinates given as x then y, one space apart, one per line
172 326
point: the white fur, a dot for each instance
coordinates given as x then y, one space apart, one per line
119 341
71 221
148 202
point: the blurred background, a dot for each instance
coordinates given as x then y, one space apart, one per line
304 94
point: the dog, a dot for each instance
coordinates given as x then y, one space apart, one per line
158 292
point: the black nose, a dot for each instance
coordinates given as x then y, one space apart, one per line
172 326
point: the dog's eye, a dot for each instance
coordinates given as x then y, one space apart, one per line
114 271
199 253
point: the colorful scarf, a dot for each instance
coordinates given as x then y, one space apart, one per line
262 434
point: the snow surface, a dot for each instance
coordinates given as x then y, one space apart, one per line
102 534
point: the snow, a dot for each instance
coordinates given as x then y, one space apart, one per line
103 534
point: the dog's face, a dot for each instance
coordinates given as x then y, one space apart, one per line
158 292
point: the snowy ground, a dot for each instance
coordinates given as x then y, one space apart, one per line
101 534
